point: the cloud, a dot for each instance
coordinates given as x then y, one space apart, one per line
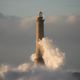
17 37
27 22
35 73
71 19
2 16
52 19
65 20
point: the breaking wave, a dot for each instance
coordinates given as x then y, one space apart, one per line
53 58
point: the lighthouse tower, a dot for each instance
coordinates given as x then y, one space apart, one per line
39 36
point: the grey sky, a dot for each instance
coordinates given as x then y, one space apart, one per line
31 7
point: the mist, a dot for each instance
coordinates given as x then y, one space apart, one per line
32 72
17 38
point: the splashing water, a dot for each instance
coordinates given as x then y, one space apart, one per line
52 56
53 59
29 72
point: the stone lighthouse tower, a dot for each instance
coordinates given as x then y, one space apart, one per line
39 36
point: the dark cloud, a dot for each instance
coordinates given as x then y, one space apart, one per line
39 75
2 16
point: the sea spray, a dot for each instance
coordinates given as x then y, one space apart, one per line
52 56
53 59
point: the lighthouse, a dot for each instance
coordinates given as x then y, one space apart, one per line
39 36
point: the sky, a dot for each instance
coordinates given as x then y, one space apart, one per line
32 7
17 29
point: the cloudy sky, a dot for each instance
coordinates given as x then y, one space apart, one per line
17 29
31 7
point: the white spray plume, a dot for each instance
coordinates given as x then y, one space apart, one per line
53 59
52 56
